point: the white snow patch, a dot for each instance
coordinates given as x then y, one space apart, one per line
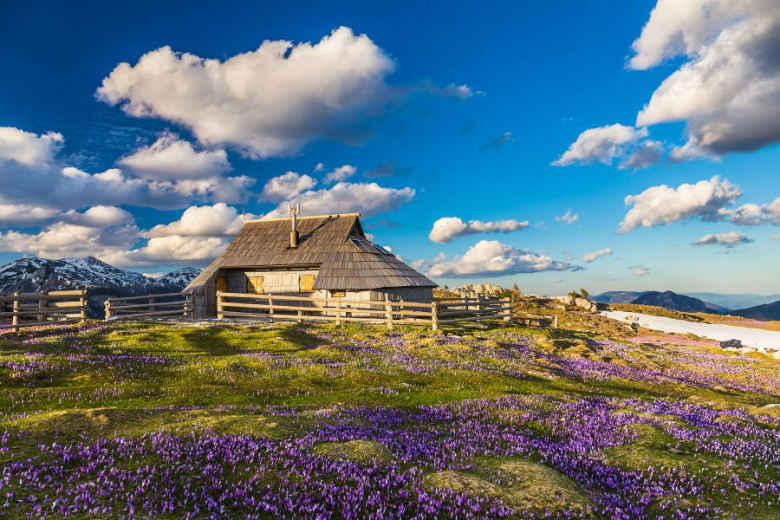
756 338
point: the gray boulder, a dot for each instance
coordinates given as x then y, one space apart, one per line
732 343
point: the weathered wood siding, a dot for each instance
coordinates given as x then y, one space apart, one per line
409 294
204 300
280 281
275 281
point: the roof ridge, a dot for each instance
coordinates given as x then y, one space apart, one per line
302 218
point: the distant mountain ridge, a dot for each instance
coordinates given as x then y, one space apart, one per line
735 301
36 274
765 312
722 300
769 311
676 302
618 296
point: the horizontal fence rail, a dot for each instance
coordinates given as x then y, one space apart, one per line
275 307
21 310
149 306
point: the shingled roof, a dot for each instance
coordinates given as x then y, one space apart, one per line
336 244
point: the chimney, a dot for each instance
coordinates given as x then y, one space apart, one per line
294 235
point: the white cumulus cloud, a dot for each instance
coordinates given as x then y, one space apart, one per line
772 212
492 258
170 158
286 186
339 174
96 234
447 229
368 199
268 102
746 215
728 89
27 148
644 155
729 240
218 220
663 204
589 257
111 235
167 250
100 217
22 215
601 144
68 187
568 217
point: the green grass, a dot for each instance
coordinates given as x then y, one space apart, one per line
133 379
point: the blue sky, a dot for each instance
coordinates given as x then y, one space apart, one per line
437 110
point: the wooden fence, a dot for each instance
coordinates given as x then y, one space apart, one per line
37 309
149 306
530 320
275 307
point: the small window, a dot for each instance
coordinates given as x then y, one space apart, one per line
306 283
254 284
338 294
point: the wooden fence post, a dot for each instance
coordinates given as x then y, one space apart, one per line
188 306
42 302
338 313
107 305
555 322
83 306
17 308
435 315
271 308
389 311
220 316
507 311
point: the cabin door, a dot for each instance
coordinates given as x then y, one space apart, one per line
221 283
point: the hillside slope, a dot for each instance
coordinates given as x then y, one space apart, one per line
302 421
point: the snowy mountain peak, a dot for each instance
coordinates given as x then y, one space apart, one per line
34 274
178 278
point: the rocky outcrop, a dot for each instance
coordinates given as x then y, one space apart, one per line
473 289
580 302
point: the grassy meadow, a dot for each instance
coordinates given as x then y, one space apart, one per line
302 421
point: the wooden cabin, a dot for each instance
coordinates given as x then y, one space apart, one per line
326 256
